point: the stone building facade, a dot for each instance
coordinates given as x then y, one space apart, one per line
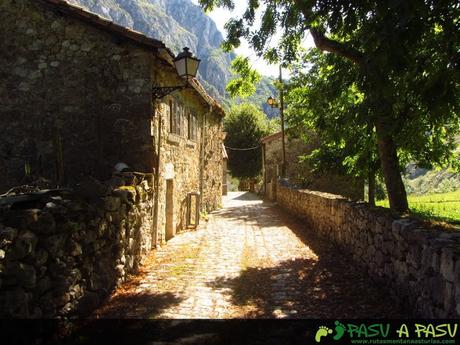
300 173
76 94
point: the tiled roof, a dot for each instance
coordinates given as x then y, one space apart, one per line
105 24
134 36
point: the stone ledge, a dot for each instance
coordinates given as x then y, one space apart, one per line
174 139
191 144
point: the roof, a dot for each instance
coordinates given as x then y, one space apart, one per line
136 37
105 24
271 137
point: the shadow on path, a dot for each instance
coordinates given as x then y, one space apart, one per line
144 305
328 286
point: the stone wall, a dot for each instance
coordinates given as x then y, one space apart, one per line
300 172
74 98
420 265
64 254
213 163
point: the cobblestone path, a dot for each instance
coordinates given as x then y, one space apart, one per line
250 260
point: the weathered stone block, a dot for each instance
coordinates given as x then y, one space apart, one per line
21 219
449 297
55 245
378 258
447 264
25 244
120 270
7 234
45 224
111 203
401 270
437 287
25 275
414 256
43 285
41 257
75 249
102 229
57 270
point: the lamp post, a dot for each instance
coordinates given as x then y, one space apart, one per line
186 67
274 104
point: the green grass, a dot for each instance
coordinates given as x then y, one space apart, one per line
443 206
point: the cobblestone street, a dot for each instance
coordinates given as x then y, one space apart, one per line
250 260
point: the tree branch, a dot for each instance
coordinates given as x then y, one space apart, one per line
325 44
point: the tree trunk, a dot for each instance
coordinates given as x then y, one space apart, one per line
371 188
390 166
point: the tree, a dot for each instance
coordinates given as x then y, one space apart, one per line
406 54
348 143
245 78
245 125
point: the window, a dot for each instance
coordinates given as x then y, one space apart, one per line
192 126
172 124
181 121
175 117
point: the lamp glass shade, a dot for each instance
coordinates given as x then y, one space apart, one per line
186 65
192 66
181 67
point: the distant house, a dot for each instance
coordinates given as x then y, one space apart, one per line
299 172
76 99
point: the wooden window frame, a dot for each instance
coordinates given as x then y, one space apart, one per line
192 126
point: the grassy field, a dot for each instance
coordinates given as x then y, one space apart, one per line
442 206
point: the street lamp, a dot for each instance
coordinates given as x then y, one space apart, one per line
272 102
186 67
186 64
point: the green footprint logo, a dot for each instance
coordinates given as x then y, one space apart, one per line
322 332
339 330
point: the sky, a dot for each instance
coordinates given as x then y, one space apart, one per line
221 16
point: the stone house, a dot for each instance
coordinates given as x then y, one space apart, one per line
299 172
76 99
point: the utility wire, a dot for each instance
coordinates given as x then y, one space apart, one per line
242 149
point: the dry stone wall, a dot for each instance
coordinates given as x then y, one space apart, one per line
419 265
64 255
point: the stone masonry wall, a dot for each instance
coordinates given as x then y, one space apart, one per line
64 255
421 266
69 89
213 162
